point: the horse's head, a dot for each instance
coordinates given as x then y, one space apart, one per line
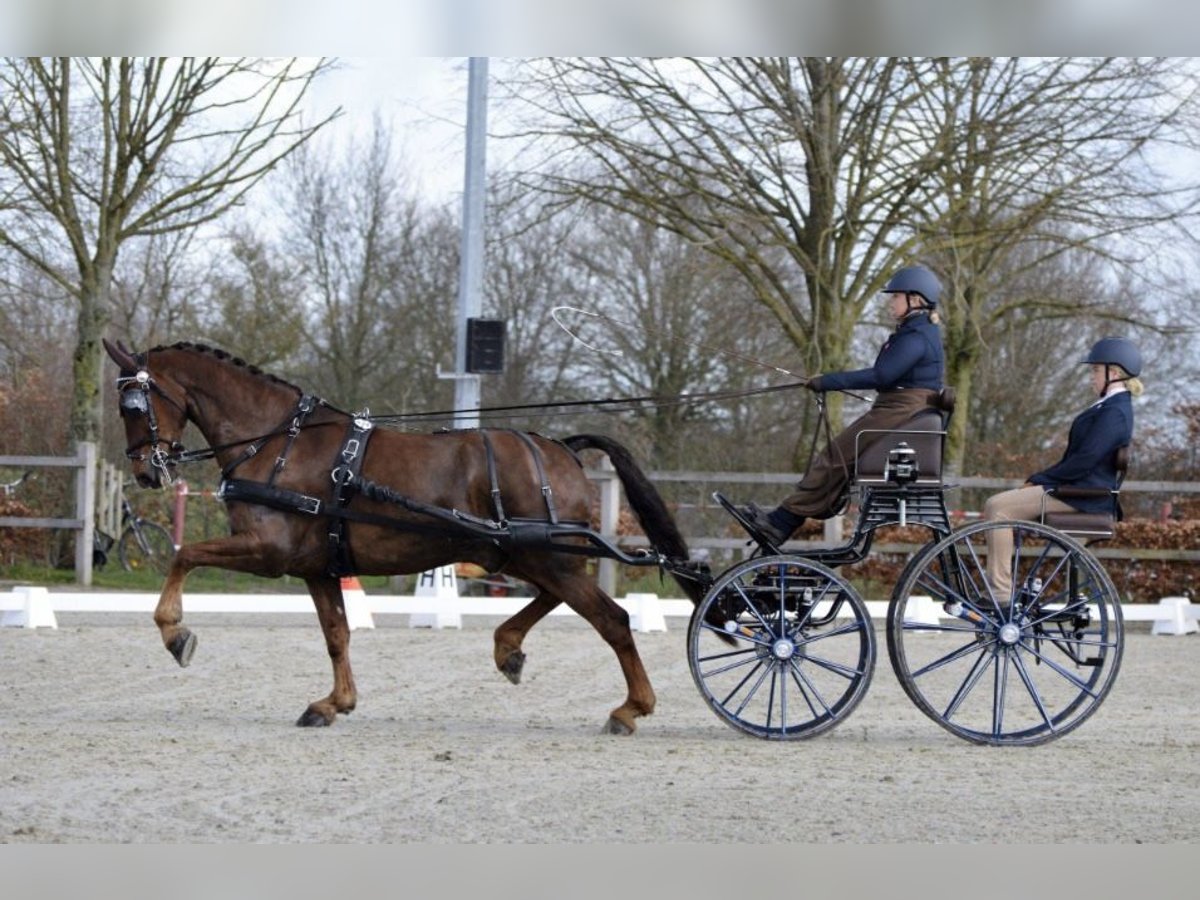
155 412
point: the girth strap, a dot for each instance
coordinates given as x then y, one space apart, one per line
346 475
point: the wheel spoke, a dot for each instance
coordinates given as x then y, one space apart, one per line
1000 682
977 671
953 656
806 682
1036 697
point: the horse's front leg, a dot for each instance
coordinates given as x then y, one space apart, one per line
241 552
331 611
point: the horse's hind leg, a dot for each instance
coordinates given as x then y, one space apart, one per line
612 622
510 635
331 611
579 592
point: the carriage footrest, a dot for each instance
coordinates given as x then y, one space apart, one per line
757 536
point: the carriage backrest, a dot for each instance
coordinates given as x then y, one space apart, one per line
925 433
1090 526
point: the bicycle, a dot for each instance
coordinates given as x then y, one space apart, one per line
9 488
143 545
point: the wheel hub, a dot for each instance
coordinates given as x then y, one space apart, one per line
1009 633
783 649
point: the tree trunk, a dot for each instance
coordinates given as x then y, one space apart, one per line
87 409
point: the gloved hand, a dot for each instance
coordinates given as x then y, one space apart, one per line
814 385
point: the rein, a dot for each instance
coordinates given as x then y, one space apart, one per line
613 404
135 390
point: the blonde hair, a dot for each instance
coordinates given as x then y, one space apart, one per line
1134 386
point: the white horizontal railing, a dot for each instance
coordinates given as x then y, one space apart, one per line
32 606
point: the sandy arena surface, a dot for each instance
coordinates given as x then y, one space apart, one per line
104 739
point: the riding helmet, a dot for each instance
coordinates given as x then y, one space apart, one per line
915 280
1116 351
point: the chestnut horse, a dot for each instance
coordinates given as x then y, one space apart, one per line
269 437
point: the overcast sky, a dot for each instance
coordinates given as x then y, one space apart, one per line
423 98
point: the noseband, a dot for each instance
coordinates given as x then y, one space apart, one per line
135 400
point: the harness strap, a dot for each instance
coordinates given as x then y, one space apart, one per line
547 492
489 453
304 407
237 490
347 466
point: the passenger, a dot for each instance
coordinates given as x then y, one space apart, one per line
1088 462
908 374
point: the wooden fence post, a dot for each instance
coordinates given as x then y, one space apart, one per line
85 511
610 513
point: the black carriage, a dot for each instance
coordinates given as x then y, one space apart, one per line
782 647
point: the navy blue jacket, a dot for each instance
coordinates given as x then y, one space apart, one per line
911 357
1090 458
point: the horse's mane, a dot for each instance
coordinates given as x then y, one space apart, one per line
226 357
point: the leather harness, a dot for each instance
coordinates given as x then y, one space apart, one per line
348 483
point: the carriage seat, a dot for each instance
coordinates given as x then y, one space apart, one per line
1086 525
925 436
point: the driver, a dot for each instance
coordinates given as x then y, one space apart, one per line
908 375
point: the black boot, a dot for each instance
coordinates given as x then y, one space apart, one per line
776 526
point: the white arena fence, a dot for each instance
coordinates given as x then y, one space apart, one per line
436 603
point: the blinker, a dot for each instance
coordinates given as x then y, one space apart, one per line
135 401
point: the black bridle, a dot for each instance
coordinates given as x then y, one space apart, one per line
134 393
135 390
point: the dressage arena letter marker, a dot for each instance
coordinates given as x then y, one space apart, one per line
441 587
1173 617
35 610
645 613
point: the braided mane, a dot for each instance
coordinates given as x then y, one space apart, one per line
226 357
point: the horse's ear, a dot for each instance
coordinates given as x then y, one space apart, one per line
122 357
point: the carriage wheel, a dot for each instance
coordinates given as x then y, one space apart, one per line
1020 669
781 647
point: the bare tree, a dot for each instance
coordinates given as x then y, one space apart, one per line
252 302
371 273
673 330
157 288
799 174
532 267
97 151
1047 169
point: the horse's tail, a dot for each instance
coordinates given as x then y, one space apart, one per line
647 505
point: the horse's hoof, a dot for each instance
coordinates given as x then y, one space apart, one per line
313 719
616 726
182 647
513 665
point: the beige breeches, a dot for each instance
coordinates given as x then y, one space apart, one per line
1021 504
